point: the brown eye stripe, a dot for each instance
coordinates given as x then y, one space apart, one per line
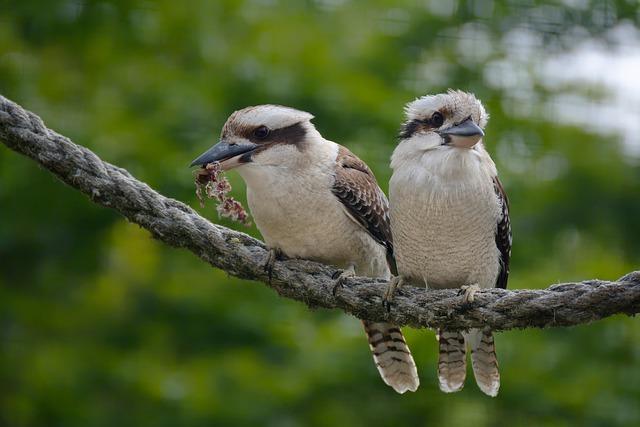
294 134
409 128
416 125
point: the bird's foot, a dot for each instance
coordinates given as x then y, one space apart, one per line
272 256
342 278
391 291
469 292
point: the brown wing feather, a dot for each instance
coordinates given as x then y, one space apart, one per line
503 236
356 187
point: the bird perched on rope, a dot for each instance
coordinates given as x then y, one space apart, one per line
450 221
312 198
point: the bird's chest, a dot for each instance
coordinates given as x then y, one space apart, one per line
445 236
303 219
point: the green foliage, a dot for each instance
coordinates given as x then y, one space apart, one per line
101 325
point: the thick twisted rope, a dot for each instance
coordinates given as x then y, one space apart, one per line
240 255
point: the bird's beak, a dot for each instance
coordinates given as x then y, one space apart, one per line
229 155
463 135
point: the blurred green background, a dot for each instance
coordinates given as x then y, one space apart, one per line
100 325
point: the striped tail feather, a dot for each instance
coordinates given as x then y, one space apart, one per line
484 360
392 356
452 361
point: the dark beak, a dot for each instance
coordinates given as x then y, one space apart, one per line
223 151
463 135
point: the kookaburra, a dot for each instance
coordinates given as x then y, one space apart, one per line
450 220
312 198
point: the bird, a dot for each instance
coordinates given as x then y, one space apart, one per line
450 221
313 199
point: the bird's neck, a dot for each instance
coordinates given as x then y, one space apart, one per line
314 165
457 168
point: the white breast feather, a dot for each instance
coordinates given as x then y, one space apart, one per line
444 213
295 210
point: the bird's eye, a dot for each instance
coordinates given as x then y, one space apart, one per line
437 119
261 132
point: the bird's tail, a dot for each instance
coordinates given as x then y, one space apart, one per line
452 361
484 360
392 356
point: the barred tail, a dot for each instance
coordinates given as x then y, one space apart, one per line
484 360
452 362
392 356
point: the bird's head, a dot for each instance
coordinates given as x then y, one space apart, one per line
264 135
452 120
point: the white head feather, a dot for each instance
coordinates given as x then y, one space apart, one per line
460 105
421 153
272 116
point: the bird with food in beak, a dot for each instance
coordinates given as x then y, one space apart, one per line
313 199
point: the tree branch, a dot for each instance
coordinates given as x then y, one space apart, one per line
240 255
